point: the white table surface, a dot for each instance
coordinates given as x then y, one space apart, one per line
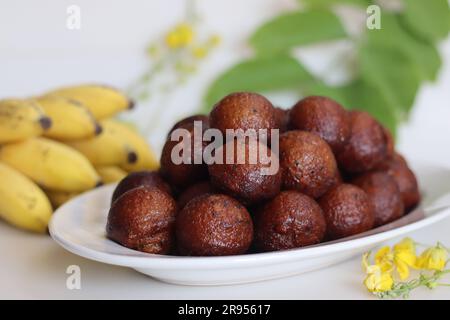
34 267
38 53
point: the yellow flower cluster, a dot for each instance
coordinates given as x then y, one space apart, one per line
433 258
377 279
178 53
183 36
402 257
397 261
180 36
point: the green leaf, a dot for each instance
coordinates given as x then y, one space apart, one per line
394 35
318 88
295 29
261 74
391 72
363 96
360 95
428 18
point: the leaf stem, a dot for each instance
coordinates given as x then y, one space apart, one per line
443 284
403 289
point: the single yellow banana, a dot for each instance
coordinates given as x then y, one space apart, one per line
58 198
21 119
50 164
146 158
71 119
102 101
106 149
110 174
22 203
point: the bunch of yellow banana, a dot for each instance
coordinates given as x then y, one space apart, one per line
110 174
146 158
58 145
71 119
58 198
102 101
21 119
22 202
117 145
51 164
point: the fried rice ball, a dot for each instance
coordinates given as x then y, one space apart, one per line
282 119
398 168
194 191
242 178
190 120
143 219
141 178
366 147
290 220
324 117
347 210
243 110
385 195
188 172
213 225
307 163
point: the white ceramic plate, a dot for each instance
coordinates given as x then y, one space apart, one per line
79 226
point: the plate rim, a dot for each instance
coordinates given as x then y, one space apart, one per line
154 261
146 260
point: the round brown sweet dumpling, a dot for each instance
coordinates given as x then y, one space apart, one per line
184 174
143 219
213 225
307 163
246 180
347 210
243 110
190 121
390 143
282 119
339 178
194 191
323 116
290 220
385 195
141 178
366 147
398 168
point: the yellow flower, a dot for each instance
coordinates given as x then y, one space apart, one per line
199 52
384 258
181 36
433 258
403 256
379 276
186 33
214 40
173 40
406 245
377 280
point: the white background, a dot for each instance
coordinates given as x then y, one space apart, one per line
38 52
